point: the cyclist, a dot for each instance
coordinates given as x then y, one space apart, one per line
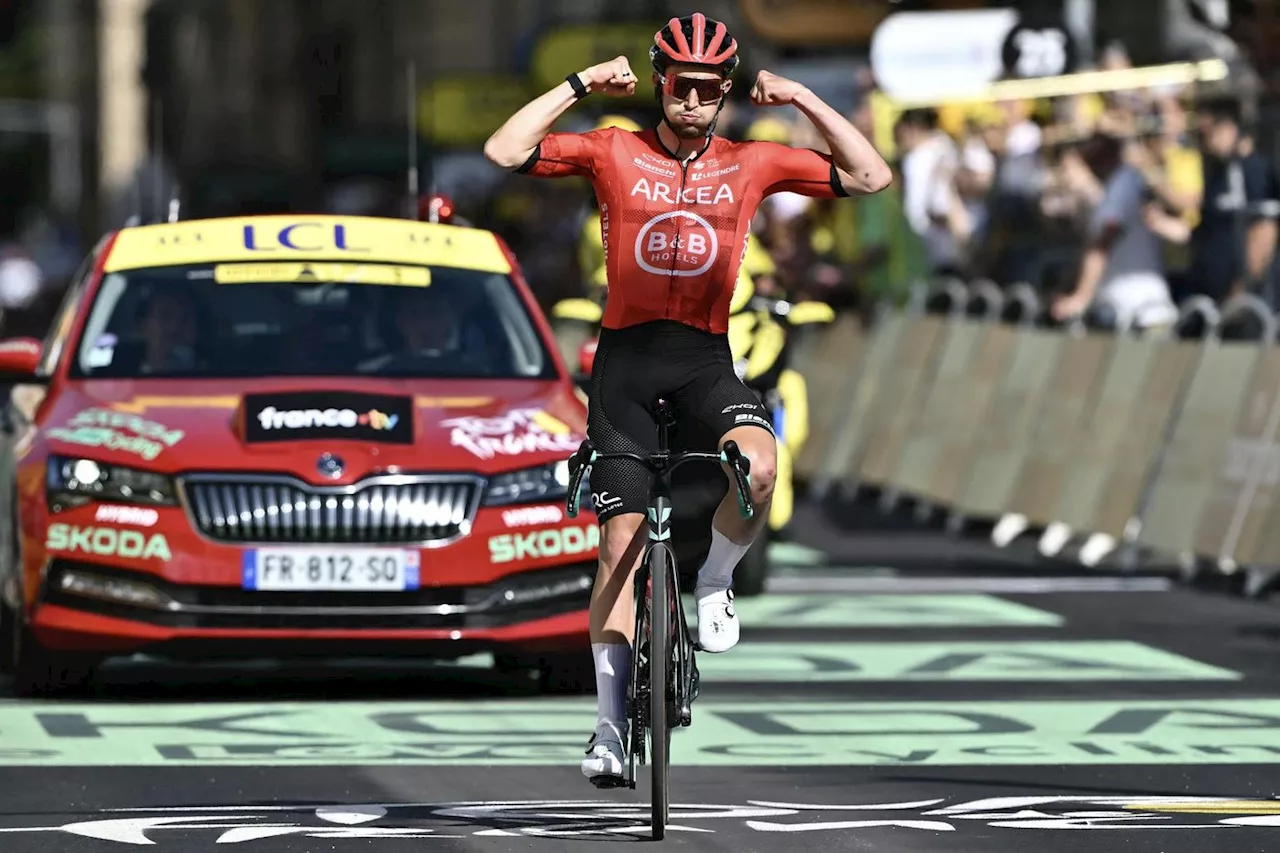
676 204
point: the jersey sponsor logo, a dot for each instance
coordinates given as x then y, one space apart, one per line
604 500
604 231
678 243
727 409
703 176
753 419
666 193
659 170
541 544
527 516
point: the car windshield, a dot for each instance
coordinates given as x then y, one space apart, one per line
299 319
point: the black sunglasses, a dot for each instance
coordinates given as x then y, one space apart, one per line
709 90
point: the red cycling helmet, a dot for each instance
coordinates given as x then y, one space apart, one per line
435 207
694 40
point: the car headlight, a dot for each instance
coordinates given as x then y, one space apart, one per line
74 481
544 483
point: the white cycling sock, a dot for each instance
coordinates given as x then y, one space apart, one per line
716 573
613 672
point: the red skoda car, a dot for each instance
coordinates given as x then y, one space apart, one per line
284 435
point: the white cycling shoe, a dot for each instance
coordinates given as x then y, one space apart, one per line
604 762
717 621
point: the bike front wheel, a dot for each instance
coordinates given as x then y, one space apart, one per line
660 603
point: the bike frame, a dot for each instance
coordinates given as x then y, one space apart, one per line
664 674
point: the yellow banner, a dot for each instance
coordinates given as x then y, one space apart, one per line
343 273
577 47
273 239
467 110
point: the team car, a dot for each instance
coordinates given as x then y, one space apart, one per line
281 435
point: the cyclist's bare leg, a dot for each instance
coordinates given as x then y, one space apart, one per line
622 540
612 620
731 537
761 449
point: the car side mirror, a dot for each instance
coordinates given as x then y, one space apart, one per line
20 361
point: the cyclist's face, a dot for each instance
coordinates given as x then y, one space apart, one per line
691 96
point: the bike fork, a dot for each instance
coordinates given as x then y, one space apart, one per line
685 673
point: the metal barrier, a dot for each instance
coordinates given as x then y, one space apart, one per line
832 359
970 363
1145 440
908 380
858 414
1141 445
1184 482
1242 491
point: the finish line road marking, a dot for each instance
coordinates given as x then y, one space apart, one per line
1005 660
724 733
953 610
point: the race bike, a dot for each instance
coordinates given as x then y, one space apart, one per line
760 338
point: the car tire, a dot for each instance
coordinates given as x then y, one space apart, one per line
567 674
44 673
752 573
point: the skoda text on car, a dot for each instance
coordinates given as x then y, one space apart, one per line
284 434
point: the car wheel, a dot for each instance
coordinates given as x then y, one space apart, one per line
569 673
39 672
750 575
506 664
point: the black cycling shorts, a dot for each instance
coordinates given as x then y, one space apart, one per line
689 368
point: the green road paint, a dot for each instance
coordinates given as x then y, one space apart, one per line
795 554
956 661
798 573
724 733
959 610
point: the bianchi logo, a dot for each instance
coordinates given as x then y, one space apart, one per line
176 828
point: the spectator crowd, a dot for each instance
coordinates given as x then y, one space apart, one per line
1126 202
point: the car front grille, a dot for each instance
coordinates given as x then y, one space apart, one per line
427 509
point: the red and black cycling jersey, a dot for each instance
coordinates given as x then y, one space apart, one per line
675 234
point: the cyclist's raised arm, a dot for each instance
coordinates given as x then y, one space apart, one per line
516 142
858 167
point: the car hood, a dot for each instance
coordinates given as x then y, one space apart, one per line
371 426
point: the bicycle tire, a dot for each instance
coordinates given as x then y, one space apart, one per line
659 683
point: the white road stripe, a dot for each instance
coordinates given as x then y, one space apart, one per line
835 583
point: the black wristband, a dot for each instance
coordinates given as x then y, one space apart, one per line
579 90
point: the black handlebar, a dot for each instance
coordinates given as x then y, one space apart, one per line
662 463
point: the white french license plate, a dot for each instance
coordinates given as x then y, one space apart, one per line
330 569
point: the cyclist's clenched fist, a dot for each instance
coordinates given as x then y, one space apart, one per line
614 78
771 90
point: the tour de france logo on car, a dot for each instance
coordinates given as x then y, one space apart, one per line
290 416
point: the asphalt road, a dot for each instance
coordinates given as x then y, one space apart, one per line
893 692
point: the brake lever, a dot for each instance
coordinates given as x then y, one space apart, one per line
579 462
741 467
